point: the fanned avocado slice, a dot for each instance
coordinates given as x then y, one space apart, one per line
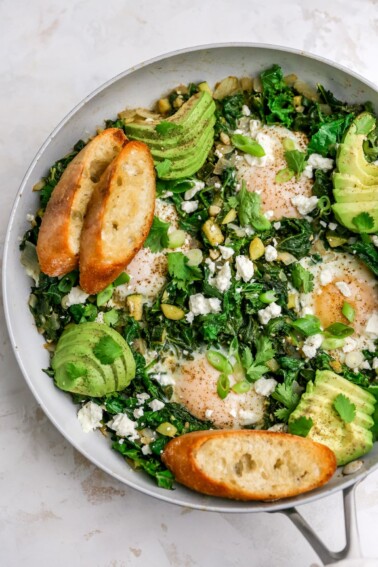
186 144
356 180
347 213
347 440
192 111
93 360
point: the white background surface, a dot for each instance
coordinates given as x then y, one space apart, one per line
55 507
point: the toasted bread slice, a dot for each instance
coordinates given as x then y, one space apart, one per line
249 465
59 236
119 217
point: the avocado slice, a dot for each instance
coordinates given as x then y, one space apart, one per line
351 160
187 145
347 440
77 369
192 111
349 189
146 131
346 212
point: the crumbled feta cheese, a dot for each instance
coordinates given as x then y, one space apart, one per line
343 288
254 127
269 214
76 296
265 386
30 218
142 398
311 345
124 426
304 205
209 413
268 145
211 265
247 417
326 276
189 206
245 110
349 344
164 379
375 363
222 280
189 194
138 412
372 324
156 405
100 317
323 224
217 185
201 305
365 365
189 317
270 253
374 239
277 225
90 416
226 252
354 359
332 226
244 268
270 312
146 450
316 161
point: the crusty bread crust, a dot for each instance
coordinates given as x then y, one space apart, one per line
119 217
249 465
59 234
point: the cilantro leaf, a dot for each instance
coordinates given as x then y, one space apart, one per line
166 127
363 222
249 211
345 408
302 279
75 370
285 394
107 350
255 372
301 426
180 272
296 161
163 167
265 350
157 238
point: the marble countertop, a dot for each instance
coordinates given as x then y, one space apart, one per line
56 508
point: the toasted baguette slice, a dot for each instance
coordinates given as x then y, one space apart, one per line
249 465
119 217
59 235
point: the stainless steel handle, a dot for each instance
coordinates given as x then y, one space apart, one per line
352 548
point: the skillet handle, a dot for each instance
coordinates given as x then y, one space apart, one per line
352 548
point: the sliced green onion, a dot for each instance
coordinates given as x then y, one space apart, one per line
219 361
241 387
111 317
66 283
194 256
348 311
324 204
284 175
288 144
339 330
268 296
247 145
104 295
330 343
176 238
122 279
307 325
234 347
223 386
167 429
